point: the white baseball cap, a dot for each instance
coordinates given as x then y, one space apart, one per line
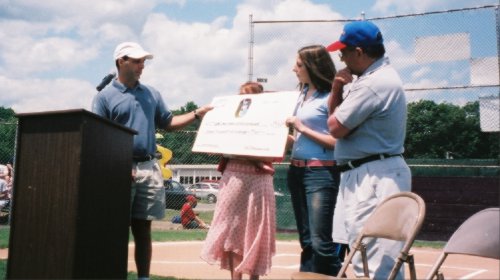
132 50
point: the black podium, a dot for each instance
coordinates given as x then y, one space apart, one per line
71 200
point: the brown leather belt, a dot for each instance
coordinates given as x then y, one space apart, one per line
312 163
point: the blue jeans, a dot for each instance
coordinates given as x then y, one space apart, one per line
314 193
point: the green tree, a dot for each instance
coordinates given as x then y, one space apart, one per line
7 115
181 142
189 107
8 126
488 143
435 129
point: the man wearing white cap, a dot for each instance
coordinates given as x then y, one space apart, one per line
141 107
369 123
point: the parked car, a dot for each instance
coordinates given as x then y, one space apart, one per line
278 193
175 194
205 190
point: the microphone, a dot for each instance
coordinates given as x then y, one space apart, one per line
105 81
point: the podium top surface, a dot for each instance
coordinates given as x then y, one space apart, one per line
74 112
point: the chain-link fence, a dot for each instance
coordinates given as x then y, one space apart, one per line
197 166
7 141
444 57
447 56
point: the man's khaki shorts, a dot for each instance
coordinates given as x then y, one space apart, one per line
148 192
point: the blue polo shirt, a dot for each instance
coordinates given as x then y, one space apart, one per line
140 108
314 114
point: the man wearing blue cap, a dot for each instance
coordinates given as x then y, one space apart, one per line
368 119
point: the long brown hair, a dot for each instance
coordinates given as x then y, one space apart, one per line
319 65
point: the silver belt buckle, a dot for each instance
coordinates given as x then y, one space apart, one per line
350 164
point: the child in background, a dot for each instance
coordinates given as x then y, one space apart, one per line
242 235
189 219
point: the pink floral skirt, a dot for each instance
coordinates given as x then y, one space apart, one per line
244 222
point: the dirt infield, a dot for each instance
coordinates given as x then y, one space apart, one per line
181 260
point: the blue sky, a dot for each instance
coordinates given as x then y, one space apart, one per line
54 53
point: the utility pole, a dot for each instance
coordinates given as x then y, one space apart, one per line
250 50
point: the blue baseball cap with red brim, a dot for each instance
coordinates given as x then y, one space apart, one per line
358 34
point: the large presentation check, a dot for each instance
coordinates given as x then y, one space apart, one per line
248 124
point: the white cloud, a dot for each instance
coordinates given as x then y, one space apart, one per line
193 62
276 45
37 37
52 53
198 61
400 57
45 55
33 95
78 11
427 83
419 6
420 72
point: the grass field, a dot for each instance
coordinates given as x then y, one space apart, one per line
182 235
189 235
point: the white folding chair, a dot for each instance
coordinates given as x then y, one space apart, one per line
398 217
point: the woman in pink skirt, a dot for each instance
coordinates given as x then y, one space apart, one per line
242 234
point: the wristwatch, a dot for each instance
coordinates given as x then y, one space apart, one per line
196 116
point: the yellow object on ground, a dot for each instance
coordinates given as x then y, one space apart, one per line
166 155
